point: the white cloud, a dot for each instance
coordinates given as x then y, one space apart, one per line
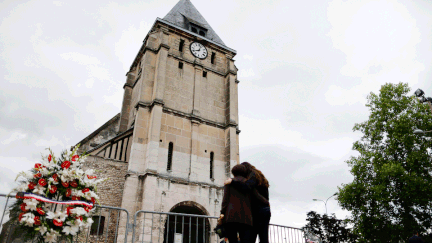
379 39
248 57
57 3
271 131
15 136
336 95
53 142
129 43
246 73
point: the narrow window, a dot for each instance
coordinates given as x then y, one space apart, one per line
180 65
202 33
181 45
213 58
205 74
211 164
170 154
194 30
98 223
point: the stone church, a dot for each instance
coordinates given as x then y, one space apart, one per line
176 138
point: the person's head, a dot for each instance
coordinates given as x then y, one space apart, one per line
239 170
261 180
415 232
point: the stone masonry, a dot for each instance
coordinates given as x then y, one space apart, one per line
170 96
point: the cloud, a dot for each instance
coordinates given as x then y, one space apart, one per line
379 39
271 131
248 57
246 73
15 136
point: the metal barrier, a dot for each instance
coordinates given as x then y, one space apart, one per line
108 225
162 227
111 224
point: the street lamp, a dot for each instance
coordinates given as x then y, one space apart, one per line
418 131
420 94
325 203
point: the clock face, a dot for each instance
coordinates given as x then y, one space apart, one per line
198 50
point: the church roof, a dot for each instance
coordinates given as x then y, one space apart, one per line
183 12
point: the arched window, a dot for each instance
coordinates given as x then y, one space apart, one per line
211 164
170 155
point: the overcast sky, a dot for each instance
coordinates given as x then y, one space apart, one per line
306 68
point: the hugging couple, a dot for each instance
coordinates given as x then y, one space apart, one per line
245 206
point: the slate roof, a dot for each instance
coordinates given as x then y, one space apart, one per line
183 12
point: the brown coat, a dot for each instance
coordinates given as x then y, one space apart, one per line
236 206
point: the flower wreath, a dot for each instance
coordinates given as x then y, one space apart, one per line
56 199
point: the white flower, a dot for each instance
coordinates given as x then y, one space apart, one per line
31 204
52 181
51 236
75 224
22 187
28 219
43 229
59 215
79 211
77 193
68 230
88 223
44 171
66 175
39 190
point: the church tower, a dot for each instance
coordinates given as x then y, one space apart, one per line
177 134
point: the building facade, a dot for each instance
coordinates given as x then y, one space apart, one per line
173 144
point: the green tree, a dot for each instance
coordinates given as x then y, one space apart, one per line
391 194
328 228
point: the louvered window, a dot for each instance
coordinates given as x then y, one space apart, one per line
170 155
211 164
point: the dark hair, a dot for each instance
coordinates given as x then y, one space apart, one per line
261 180
415 232
239 170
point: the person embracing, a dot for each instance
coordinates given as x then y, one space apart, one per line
236 212
257 186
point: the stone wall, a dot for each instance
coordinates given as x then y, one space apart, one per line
110 191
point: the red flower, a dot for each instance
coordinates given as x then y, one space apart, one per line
68 210
53 189
37 175
87 209
76 198
85 190
91 177
49 158
57 223
23 205
37 220
20 216
66 164
73 184
38 166
55 177
75 157
40 211
65 184
68 192
93 200
31 185
42 182
80 218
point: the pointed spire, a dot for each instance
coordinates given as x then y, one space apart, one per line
183 12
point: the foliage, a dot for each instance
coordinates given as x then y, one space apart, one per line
328 228
391 194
